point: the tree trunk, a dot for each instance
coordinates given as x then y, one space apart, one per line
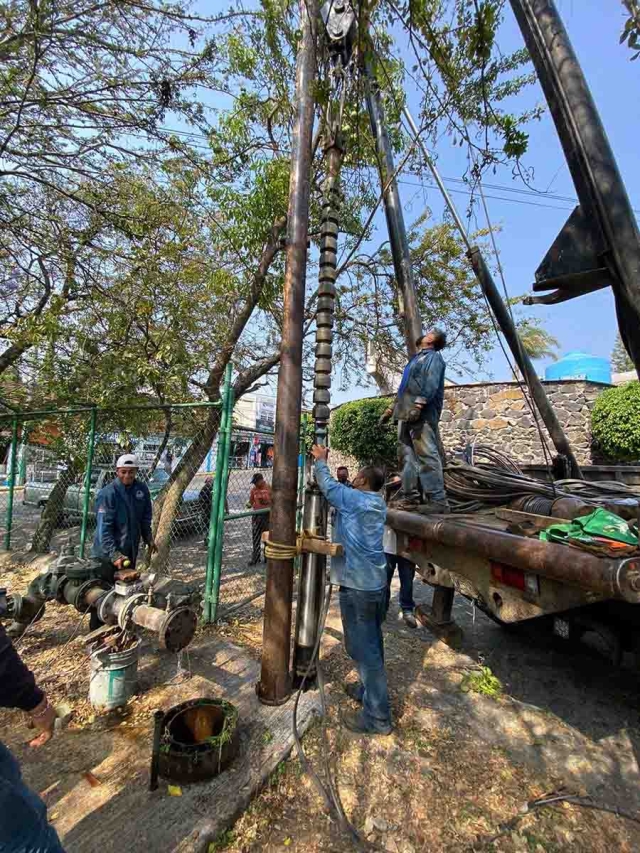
166 504
52 512
168 425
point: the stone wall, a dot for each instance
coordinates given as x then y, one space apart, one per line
496 414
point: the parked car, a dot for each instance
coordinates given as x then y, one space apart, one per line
191 514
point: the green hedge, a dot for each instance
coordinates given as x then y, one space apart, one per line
355 430
615 422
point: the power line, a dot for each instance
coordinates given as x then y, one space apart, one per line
427 185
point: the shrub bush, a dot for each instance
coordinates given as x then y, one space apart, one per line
355 430
615 422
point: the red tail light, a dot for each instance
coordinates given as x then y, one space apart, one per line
507 575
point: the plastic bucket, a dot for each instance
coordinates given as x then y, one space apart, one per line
114 677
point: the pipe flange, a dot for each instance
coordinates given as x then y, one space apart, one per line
99 584
130 604
177 629
104 607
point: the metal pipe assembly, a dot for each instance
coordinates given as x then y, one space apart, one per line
314 518
615 578
603 198
393 211
275 682
161 605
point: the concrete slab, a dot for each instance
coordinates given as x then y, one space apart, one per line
96 787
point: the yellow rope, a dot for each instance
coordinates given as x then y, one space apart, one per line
278 551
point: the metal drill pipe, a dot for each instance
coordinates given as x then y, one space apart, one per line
327 287
616 578
393 210
591 161
313 566
507 326
275 682
436 176
310 590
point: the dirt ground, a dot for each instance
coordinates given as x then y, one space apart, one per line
455 775
466 756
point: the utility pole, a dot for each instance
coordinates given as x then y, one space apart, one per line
606 219
275 681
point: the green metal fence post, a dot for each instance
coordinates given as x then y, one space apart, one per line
212 582
217 561
12 481
87 480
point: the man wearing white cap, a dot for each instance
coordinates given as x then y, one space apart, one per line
123 512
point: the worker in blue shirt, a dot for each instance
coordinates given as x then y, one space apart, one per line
123 518
418 408
361 574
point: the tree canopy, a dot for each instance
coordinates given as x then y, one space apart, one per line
144 183
620 358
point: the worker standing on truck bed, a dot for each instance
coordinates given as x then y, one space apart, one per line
361 574
418 408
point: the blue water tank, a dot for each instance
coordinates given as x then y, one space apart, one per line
580 365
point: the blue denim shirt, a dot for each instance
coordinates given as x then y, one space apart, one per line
425 384
123 516
359 528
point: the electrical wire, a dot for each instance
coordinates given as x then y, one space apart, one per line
547 801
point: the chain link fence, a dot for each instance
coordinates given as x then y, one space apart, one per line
56 463
243 570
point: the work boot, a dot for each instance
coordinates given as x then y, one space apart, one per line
433 508
355 691
409 619
354 723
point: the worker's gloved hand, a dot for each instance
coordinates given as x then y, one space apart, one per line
385 417
43 718
413 415
121 562
152 547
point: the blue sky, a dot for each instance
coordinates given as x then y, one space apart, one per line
529 224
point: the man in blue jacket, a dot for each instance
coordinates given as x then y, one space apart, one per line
418 408
361 574
123 518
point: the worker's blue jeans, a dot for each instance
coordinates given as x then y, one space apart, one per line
406 573
23 816
421 454
362 614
